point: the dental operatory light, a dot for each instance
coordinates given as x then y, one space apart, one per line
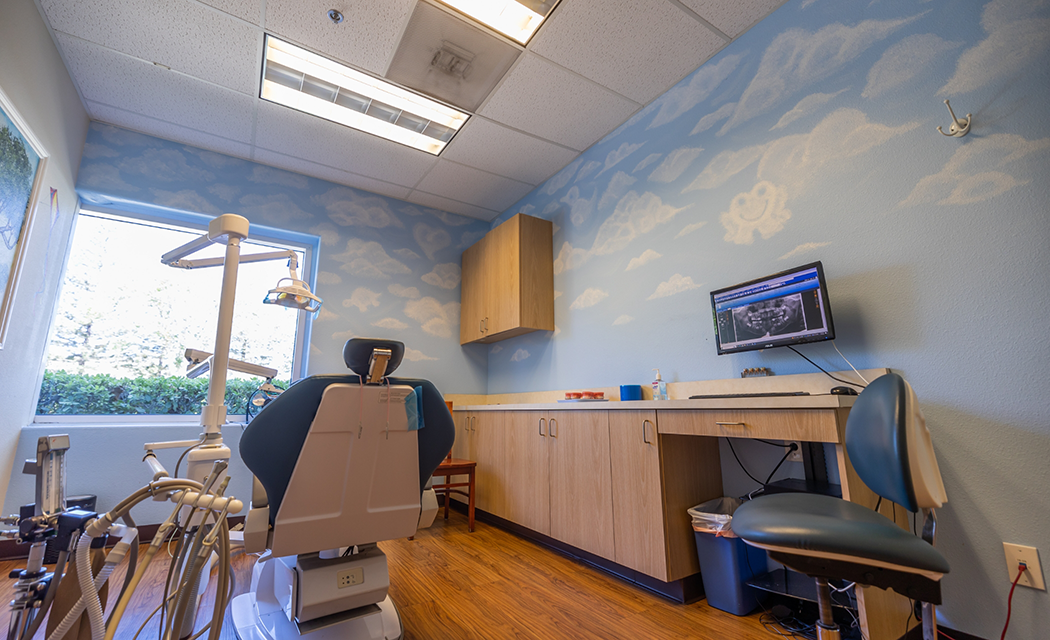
297 78
514 19
295 295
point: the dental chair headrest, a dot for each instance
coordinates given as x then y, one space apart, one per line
357 354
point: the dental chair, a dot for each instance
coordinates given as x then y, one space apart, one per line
341 462
829 538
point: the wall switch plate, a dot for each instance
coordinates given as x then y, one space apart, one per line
1033 575
796 455
354 577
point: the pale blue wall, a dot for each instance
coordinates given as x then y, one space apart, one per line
813 137
388 269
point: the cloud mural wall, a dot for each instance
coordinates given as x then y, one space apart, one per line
387 268
813 137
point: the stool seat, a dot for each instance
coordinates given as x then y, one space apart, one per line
819 524
457 467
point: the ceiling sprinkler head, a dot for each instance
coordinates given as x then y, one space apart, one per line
335 16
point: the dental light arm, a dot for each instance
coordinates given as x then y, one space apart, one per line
200 363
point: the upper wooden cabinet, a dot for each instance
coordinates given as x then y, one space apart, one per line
508 282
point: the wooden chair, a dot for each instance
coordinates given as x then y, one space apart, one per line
456 467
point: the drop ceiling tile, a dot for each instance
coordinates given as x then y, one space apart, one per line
638 48
733 18
487 145
300 135
168 131
186 36
331 174
473 186
114 79
366 38
437 202
550 102
250 10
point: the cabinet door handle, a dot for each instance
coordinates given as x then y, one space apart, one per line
540 424
645 435
552 431
732 424
473 422
481 326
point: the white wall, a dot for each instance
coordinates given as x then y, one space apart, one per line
34 78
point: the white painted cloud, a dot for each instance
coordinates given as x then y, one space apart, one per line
434 318
519 355
617 188
798 58
369 259
349 207
558 294
446 275
589 298
587 170
362 298
225 191
327 277
557 330
328 233
122 137
622 320
635 215
277 208
450 219
1018 35
903 61
806 106
527 209
682 98
165 165
689 228
185 200
390 323
269 175
214 160
550 208
94 150
326 314
725 165
430 239
408 254
403 292
469 238
803 249
496 349
675 164
561 178
414 355
580 209
615 156
647 256
649 159
104 177
711 119
343 336
977 171
761 210
677 284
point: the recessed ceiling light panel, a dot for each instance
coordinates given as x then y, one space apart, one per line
305 81
516 19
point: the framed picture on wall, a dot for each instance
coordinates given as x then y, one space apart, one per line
22 163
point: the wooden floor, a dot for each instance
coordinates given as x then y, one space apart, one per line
452 584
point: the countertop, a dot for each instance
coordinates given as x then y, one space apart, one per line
775 402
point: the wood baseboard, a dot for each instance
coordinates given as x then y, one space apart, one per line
11 550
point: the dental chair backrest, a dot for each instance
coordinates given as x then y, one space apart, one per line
344 462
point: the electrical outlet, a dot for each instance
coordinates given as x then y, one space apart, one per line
1033 574
354 577
796 455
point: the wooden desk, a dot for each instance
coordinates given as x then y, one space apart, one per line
663 454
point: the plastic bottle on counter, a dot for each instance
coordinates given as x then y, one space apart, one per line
659 387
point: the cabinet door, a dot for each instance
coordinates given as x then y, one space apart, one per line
580 480
472 293
638 519
489 480
461 445
502 307
526 470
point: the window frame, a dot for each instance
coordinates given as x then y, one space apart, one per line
309 244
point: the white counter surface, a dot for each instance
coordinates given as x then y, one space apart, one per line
776 402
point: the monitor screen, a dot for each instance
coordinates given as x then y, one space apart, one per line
790 307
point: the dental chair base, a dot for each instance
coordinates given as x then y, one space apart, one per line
328 598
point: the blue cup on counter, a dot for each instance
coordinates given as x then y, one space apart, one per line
630 392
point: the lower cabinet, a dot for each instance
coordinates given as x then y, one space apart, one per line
479 437
581 503
638 513
526 471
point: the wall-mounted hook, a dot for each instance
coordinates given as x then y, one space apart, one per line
958 128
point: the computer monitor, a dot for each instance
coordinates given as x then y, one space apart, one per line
786 308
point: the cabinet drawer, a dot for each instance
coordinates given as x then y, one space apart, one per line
815 425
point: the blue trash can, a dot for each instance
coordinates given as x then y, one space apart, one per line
726 562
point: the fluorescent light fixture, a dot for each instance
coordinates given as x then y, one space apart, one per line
511 18
302 80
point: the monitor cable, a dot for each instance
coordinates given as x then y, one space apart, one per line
852 384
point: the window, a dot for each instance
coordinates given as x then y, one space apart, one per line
124 321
